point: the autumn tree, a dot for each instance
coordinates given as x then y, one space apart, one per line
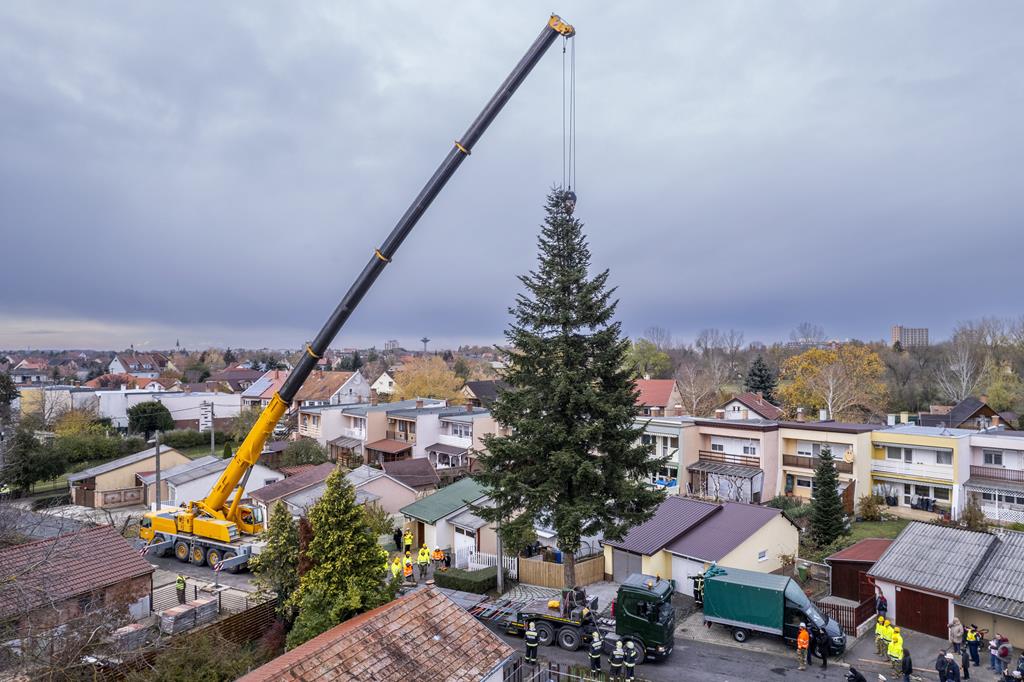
428 377
648 361
303 451
77 422
844 381
700 383
960 370
276 567
572 459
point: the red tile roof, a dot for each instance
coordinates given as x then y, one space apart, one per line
654 392
112 381
758 405
868 550
322 385
421 636
64 567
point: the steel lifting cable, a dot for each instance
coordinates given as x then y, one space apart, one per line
572 116
568 116
564 154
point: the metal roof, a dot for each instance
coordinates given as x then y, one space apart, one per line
914 430
468 520
363 474
345 442
445 501
724 469
674 516
720 533
867 550
169 474
998 586
446 449
772 581
116 464
934 558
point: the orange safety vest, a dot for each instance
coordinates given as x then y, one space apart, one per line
803 640
408 567
438 555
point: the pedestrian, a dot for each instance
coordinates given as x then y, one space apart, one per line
1004 653
880 643
886 638
941 665
437 558
907 665
423 561
965 663
629 661
615 661
179 585
596 649
396 567
896 651
407 567
407 541
532 639
803 642
881 604
952 669
821 643
397 537
973 638
447 560
956 634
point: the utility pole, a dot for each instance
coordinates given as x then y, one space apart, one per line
158 470
501 562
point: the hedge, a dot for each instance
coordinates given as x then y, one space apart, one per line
189 438
478 582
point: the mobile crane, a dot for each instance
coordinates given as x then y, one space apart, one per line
210 531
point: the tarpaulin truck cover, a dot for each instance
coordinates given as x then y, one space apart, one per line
746 598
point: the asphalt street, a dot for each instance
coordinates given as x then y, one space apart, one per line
240 581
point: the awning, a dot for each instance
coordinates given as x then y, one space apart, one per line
446 449
467 520
993 485
724 469
345 442
389 446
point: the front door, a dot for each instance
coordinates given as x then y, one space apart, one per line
465 543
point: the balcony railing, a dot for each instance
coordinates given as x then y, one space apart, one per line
726 458
918 469
805 462
997 473
354 433
455 441
404 436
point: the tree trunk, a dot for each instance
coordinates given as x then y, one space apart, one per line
569 568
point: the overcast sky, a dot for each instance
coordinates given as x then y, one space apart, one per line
217 173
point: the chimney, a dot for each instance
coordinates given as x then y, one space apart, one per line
419 404
677 411
719 414
983 398
469 407
800 414
744 414
823 415
891 420
760 396
904 417
373 396
995 421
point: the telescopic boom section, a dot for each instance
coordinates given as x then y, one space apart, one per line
249 452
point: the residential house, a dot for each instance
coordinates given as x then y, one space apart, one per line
686 535
418 474
24 376
422 635
294 491
235 379
444 520
994 598
114 404
664 435
53 582
332 388
195 479
194 410
384 384
483 393
438 429
731 459
382 488
460 434
850 566
750 406
996 475
920 469
659 397
116 381
114 483
801 445
146 365
969 413
165 383
260 393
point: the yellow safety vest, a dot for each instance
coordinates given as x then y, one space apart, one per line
896 646
423 557
407 539
972 636
396 567
887 633
880 630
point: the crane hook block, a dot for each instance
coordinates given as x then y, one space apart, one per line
556 23
569 201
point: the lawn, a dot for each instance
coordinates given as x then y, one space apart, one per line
876 529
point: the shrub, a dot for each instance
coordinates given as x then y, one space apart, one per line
784 502
1016 525
184 438
799 512
869 507
477 582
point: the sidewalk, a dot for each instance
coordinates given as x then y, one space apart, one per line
692 628
923 649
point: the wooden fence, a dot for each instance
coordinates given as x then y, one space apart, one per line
549 671
850 618
547 574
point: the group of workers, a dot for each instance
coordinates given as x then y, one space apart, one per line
403 564
621 661
889 646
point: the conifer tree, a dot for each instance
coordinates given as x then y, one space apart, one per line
573 459
275 568
827 522
761 378
345 576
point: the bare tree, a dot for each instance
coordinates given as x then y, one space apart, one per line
807 331
733 343
660 337
709 342
700 383
960 372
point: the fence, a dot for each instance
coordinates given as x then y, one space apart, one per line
547 574
549 671
475 560
229 600
850 618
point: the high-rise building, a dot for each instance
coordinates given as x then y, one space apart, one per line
909 337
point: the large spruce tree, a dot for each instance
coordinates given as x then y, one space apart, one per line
572 459
827 516
761 378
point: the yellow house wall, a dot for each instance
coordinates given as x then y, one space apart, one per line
376 426
779 537
660 564
607 560
125 476
1013 629
483 426
879 439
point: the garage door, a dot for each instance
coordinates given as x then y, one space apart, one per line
625 564
682 569
921 612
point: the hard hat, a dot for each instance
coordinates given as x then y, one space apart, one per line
596 636
881 619
532 626
887 621
629 644
618 644
408 554
949 656
424 545
896 629
803 625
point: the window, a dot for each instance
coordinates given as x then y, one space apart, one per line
943 456
893 453
673 442
922 491
718 447
988 496
803 483
762 555
647 439
940 493
268 481
993 457
736 408
749 449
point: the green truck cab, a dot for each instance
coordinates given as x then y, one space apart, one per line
641 613
748 601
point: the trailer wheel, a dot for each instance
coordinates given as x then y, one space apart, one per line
212 557
740 635
231 555
198 556
181 551
545 633
569 638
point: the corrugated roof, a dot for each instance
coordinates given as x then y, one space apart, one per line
868 550
423 636
724 469
674 516
169 474
654 392
115 464
389 446
445 501
65 567
292 484
998 586
720 533
416 473
934 558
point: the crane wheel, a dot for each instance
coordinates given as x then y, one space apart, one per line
181 551
545 633
231 555
198 556
212 557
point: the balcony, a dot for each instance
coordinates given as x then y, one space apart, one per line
942 472
403 436
997 473
455 441
805 462
726 458
360 434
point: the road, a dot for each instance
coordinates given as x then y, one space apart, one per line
241 581
703 662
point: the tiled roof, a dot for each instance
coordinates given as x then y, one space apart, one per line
757 405
445 501
61 568
416 473
674 516
487 391
112 381
115 464
720 533
868 550
654 392
267 385
389 446
421 636
998 586
934 558
322 385
293 484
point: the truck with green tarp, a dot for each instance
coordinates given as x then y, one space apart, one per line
748 601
